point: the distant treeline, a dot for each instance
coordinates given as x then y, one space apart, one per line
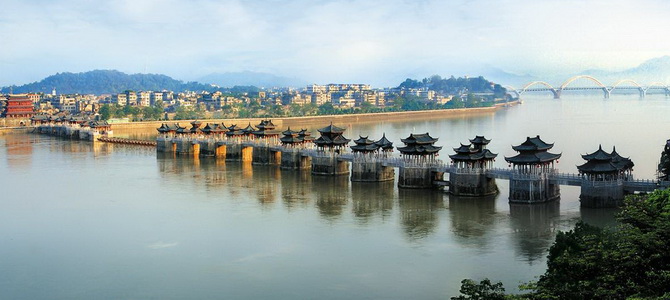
111 82
453 85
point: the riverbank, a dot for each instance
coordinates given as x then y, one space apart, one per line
311 122
315 121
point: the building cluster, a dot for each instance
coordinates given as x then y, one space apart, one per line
339 95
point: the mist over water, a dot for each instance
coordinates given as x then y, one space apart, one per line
81 221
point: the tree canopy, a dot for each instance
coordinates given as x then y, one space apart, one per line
631 260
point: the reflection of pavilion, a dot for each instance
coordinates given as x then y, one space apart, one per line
331 195
266 180
369 200
472 219
19 150
418 211
534 227
296 189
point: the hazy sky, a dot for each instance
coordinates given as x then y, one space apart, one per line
378 42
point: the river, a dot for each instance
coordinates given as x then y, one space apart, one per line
82 221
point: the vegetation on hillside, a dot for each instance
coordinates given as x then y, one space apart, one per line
112 82
453 85
630 261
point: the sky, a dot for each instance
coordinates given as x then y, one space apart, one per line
377 42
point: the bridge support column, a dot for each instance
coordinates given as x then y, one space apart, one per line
329 165
643 93
471 184
369 170
292 159
247 153
261 155
601 194
184 146
234 151
164 144
607 93
557 94
196 148
532 188
220 150
417 177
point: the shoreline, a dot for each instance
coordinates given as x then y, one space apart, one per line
312 121
325 119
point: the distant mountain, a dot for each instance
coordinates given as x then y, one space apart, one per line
246 78
106 82
506 78
655 69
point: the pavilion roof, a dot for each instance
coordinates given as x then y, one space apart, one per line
602 162
289 132
533 144
421 139
384 143
419 149
529 158
480 140
332 129
325 141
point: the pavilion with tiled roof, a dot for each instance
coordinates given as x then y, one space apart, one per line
533 153
364 145
419 145
602 166
331 137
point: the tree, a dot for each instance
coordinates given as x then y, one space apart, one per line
484 290
664 164
628 261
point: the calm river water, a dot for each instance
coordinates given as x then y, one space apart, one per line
79 221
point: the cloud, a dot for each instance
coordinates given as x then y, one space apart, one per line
162 245
375 41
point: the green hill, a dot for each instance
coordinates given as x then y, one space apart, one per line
106 82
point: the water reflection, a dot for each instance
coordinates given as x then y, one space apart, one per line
266 180
472 218
601 217
19 150
331 195
371 199
533 228
418 211
296 189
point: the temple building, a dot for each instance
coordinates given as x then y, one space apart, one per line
234 130
364 145
384 144
367 165
329 146
331 138
418 156
603 177
467 176
195 127
19 106
265 130
290 138
531 168
213 129
419 146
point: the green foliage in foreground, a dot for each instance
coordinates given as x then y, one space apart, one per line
630 261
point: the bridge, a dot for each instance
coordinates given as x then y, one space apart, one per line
621 85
